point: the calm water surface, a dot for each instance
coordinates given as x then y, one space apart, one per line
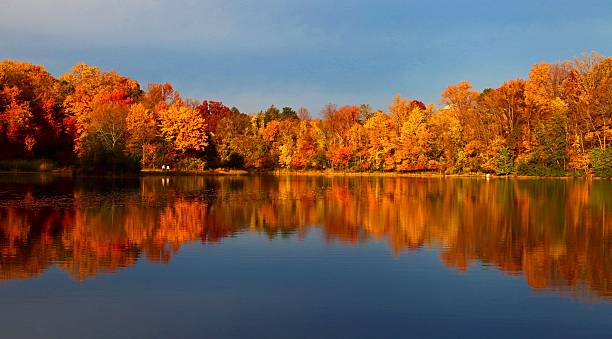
304 257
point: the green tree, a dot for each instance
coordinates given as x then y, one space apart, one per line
602 161
287 113
504 162
271 114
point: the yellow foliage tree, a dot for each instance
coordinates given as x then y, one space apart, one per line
184 127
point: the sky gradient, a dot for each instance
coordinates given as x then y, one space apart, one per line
252 54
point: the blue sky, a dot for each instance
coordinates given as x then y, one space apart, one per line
252 54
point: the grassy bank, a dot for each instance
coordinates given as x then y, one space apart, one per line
219 171
331 173
417 174
47 166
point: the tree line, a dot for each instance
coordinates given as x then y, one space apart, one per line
556 122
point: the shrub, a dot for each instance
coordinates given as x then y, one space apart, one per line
108 161
319 161
504 162
234 161
533 168
27 165
601 159
191 164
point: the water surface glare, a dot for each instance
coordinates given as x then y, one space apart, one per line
304 257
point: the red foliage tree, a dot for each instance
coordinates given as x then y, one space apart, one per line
213 113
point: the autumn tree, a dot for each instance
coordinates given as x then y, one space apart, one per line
558 120
588 94
538 94
357 140
87 86
108 124
213 112
17 126
32 121
457 125
303 113
103 139
448 143
497 131
142 133
365 112
231 139
159 96
305 146
460 99
340 120
414 142
381 146
399 110
184 128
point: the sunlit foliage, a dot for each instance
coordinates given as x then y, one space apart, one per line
556 122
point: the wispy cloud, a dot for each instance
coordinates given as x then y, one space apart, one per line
304 52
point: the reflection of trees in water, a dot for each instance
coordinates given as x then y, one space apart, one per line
556 233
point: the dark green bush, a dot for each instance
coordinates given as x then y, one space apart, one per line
320 161
191 164
533 168
28 165
234 161
504 162
106 161
601 159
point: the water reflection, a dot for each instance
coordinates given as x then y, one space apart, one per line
556 233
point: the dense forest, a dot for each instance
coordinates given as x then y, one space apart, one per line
556 122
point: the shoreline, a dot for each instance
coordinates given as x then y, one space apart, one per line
425 175
305 173
225 172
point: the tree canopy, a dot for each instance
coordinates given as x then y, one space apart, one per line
556 122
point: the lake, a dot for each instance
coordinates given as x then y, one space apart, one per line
304 257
